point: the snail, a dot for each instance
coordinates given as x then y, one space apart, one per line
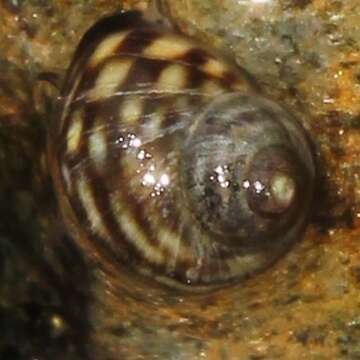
169 163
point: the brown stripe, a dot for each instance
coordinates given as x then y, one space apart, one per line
141 213
100 190
130 255
89 76
219 267
195 78
73 160
143 75
131 46
97 186
194 57
141 78
92 38
177 114
137 210
61 138
138 40
86 83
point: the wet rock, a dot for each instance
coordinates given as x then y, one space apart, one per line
303 53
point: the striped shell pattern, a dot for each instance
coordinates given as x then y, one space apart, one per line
167 161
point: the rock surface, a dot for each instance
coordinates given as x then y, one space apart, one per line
53 306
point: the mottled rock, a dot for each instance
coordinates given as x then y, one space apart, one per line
303 53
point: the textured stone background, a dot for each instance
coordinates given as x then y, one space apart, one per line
304 54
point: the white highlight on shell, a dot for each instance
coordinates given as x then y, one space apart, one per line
135 142
220 169
148 179
246 184
110 79
73 135
155 179
89 205
164 180
66 176
222 172
283 188
128 141
172 78
98 146
107 47
259 186
168 47
141 155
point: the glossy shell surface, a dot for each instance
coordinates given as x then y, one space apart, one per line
167 161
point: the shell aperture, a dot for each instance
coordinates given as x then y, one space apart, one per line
166 160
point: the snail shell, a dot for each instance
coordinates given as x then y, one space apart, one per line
168 162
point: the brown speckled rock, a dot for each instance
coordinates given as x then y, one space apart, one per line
34 31
53 305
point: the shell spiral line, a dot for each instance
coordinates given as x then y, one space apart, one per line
168 162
